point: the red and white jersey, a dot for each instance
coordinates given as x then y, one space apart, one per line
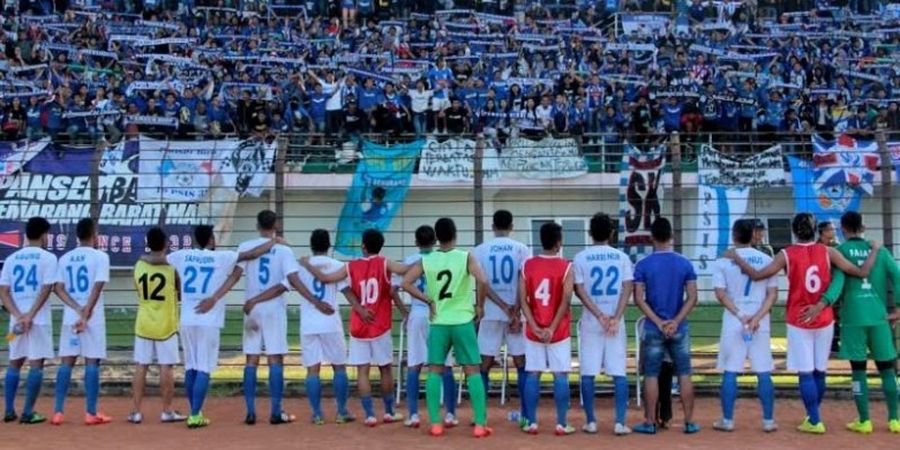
544 283
371 284
809 274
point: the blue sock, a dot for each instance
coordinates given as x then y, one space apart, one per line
820 384
809 392
250 389
521 375
486 376
190 379
276 387
766 391
621 394
728 394
588 391
10 386
91 387
368 407
198 394
412 391
532 394
561 395
63 377
314 392
388 400
449 391
341 391
32 389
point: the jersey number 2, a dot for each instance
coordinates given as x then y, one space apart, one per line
160 281
444 293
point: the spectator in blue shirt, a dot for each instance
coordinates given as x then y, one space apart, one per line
317 108
671 113
665 289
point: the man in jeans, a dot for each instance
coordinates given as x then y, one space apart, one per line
660 283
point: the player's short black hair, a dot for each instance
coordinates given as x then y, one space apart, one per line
661 230
85 229
822 226
551 234
852 221
373 240
36 227
742 230
601 227
445 230
804 226
266 220
156 239
503 220
425 236
202 235
319 241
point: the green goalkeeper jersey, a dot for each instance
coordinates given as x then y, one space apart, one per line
863 301
449 285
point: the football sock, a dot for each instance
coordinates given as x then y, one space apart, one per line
10 386
810 394
588 391
250 389
477 394
63 377
620 384
889 387
449 390
314 392
91 387
532 393
820 384
561 396
766 392
861 394
388 400
198 393
412 391
190 378
276 387
341 391
367 405
521 376
32 388
433 396
728 394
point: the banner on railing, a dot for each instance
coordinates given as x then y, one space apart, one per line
548 158
454 160
718 208
765 169
640 197
378 190
894 149
16 154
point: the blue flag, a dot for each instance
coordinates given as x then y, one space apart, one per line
379 188
826 202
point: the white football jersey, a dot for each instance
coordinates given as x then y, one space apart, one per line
265 272
25 272
746 294
501 259
79 270
602 270
313 321
202 273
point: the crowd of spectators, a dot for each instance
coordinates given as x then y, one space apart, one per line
334 70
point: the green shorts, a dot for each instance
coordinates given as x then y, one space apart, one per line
857 342
461 338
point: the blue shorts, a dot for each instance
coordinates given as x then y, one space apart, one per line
654 347
348 4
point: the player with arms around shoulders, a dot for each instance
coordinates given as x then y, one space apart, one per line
545 293
502 258
81 276
205 272
865 325
321 330
810 321
156 327
448 273
26 281
265 322
604 281
745 327
417 338
368 289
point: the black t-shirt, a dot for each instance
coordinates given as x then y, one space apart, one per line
354 121
456 120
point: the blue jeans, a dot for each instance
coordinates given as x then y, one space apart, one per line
654 346
420 123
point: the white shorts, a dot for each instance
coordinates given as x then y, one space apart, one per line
598 352
323 348
556 357
37 343
374 352
269 337
417 342
733 351
808 350
440 104
165 353
201 347
493 333
90 343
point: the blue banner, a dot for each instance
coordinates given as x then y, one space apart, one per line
379 188
826 202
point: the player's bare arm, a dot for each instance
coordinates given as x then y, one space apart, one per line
367 315
686 308
475 270
613 327
42 298
726 301
259 250
838 259
60 290
398 303
768 303
207 304
326 278
564 305
778 264
409 285
297 284
9 304
88 309
529 318
589 304
395 267
641 301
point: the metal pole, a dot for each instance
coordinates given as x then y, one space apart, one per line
675 145
280 155
887 208
478 184
95 181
